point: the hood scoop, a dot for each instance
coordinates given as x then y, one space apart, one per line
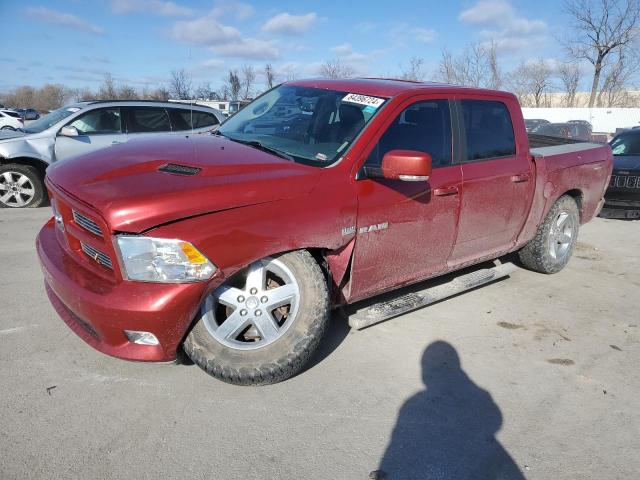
177 169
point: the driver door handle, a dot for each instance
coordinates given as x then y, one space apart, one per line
445 191
522 177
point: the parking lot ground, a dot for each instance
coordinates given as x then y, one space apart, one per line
546 387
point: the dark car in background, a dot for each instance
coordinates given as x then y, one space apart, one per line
532 123
28 113
622 199
575 131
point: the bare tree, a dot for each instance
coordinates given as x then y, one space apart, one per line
180 84
160 94
495 80
476 66
602 28
206 92
569 75
51 97
248 79
232 86
531 82
269 76
415 71
107 90
335 69
127 92
616 78
82 94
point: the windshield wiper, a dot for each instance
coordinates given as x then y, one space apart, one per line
264 148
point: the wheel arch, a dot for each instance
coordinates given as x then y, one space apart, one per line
578 196
40 165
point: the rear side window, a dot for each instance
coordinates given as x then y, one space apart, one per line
12 114
181 119
488 128
423 127
98 121
148 119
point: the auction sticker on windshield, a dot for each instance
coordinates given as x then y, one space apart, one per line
374 102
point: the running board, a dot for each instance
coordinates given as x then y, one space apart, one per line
385 310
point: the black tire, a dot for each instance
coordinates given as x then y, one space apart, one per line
287 355
536 255
35 179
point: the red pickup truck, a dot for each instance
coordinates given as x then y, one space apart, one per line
235 246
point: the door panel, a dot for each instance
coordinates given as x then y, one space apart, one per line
98 128
405 230
497 182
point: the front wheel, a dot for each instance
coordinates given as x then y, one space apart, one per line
21 186
550 250
262 325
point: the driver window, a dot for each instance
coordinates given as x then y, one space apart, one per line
98 121
423 127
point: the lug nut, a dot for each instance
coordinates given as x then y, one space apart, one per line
243 312
254 291
258 313
264 299
240 299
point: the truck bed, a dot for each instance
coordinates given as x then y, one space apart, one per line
546 146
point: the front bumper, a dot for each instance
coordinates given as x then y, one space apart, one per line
621 208
99 311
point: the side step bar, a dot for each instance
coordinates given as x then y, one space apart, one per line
382 311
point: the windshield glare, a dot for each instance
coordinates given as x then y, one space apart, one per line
50 119
314 126
628 144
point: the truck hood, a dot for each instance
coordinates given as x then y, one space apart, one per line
626 162
127 188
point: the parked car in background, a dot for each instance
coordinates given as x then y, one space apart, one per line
236 246
28 113
82 128
582 122
564 130
622 199
532 123
10 120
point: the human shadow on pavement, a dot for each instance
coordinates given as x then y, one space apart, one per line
447 432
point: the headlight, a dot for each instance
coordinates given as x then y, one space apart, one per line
147 259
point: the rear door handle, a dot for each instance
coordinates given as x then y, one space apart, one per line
445 191
522 177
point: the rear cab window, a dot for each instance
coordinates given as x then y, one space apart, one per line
488 130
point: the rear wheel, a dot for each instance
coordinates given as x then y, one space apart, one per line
21 186
8 127
550 250
263 325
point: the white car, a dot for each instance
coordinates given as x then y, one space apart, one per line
10 120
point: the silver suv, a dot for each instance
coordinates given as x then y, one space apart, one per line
81 128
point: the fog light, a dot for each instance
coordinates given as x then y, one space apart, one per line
141 338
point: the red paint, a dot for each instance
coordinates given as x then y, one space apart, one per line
246 204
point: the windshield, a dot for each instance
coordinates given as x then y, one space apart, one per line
310 125
50 119
626 144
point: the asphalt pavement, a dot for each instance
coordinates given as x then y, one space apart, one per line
530 377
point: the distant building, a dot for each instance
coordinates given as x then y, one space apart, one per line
228 107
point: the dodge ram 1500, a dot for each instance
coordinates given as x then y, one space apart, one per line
236 246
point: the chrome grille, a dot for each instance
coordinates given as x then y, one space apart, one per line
101 258
624 181
87 223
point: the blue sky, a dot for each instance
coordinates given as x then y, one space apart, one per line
141 41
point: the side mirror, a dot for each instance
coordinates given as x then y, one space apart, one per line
406 165
69 132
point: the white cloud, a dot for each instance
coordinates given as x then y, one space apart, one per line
205 31
347 54
250 48
502 24
423 35
488 12
155 7
212 64
287 24
65 19
238 10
